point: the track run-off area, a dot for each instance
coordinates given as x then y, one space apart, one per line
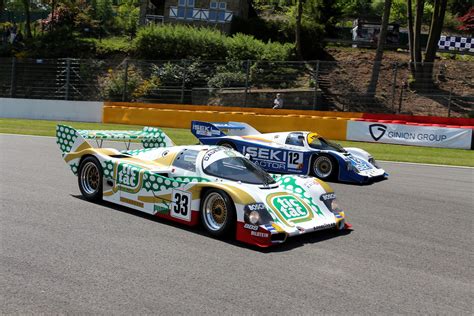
410 251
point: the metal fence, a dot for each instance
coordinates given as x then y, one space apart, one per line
312 85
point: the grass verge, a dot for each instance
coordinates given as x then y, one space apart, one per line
442 156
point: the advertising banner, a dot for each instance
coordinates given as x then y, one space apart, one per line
429 136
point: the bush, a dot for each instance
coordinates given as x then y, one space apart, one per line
112 85
59 44
175 74
179 42
232 74
185 42
243 47
112 46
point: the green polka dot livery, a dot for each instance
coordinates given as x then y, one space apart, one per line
289 183
65 138
156 182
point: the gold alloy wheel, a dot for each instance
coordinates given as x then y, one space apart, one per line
215 211
90 178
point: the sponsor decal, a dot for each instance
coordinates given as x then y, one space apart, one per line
160 209
211 152
431 136
204 130
251 227
417 136
326 226
128 175
275 159
259 234
264 153
328 196
289 207
377 131
256 206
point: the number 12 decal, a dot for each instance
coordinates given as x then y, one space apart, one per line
181 207
294 159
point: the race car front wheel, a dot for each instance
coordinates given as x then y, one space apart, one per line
323 167
90 177
217 213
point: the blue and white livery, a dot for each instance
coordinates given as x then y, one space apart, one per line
296 152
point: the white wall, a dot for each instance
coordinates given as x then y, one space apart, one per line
81 111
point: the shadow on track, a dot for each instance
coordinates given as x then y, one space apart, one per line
289 244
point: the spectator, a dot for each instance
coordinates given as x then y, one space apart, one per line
278 102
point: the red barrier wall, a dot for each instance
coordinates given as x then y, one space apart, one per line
421 119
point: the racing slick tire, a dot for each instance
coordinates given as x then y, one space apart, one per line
227 144
324 167
218 213
90 177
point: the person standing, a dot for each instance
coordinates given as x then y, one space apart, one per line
278 102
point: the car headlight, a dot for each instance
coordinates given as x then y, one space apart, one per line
373 162
256 214
329 199
335 207
351 167
254 217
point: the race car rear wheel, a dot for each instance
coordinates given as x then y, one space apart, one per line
90 177
227 144
324 167
217 213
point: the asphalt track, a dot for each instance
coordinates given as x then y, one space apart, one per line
410 252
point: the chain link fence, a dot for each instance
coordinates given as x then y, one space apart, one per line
311 85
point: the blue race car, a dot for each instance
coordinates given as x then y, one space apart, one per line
298 152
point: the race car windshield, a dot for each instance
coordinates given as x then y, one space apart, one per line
238 169
324 144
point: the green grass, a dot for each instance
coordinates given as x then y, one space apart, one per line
442 156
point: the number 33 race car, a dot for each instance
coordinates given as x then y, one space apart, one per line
215 186
292 152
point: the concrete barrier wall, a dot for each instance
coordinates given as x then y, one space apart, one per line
81 111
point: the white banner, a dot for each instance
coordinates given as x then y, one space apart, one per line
429 136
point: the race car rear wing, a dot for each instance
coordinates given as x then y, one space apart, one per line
69 138
215 129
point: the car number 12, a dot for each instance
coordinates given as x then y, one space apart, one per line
294 159
181 207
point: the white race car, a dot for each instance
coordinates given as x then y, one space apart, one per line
217 186
292 152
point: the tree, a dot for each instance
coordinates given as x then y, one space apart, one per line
143 7
422 69
128 16
26 6
299 13
372 88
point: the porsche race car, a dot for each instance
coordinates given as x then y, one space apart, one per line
213 185
296 152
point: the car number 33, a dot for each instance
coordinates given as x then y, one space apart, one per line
181 207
